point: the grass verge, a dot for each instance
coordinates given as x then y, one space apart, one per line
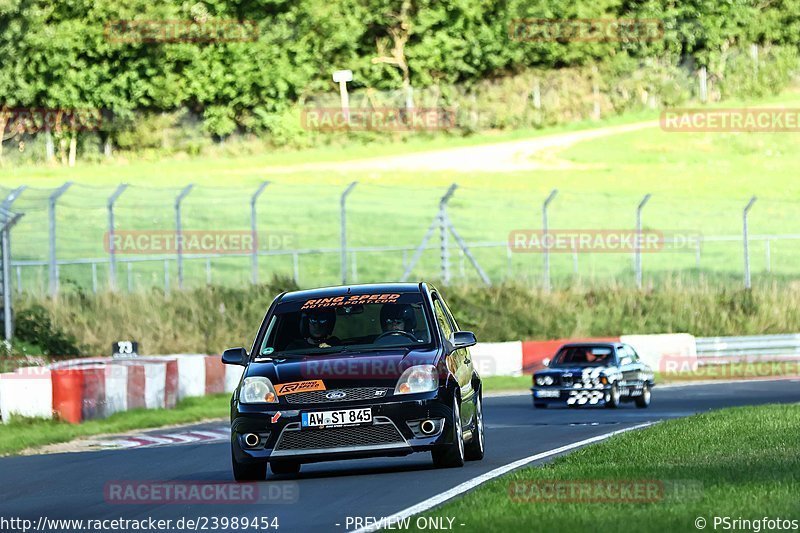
737 463
23 433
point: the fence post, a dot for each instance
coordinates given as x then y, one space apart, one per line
254 230
768 254
637 250
546 203
178 234
344 230
5 241
52 230
747 283
444 250
702 74
111 248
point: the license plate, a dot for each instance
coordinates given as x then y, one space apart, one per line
547 393
342 417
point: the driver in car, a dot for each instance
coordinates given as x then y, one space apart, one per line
398 317
316 327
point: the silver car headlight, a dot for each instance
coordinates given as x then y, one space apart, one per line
419 378
258 389
544 380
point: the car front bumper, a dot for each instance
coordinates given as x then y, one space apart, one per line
570 395
393 431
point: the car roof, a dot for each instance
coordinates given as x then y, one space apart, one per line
591 344
365 288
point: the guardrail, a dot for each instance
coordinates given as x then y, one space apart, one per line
755 346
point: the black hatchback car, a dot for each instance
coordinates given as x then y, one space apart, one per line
352 372
586 374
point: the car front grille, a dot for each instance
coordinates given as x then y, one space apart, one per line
382 433
566 381
350 395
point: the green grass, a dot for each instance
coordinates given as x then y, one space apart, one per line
211 319
23 433
740 463
700 182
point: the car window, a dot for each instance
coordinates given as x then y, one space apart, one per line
346 322
442 319
632 353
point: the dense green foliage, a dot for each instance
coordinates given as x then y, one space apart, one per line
211 319
74 55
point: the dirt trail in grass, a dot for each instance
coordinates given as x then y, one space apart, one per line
539 153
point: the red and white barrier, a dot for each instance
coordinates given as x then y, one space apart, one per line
535 352
84 389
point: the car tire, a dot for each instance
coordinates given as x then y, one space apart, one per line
284 467
612 399
643 401
452 455
474 450
248 472
540 405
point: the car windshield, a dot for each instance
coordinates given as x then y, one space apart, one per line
583 356
347 322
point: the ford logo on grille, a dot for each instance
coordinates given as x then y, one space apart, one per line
336 395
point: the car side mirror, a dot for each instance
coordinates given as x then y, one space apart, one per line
235 356
464 339
546 361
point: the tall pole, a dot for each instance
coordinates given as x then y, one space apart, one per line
254 230
8 326
343 211
52 230
747 284
546 203
179 231
111 246
444 250
637 251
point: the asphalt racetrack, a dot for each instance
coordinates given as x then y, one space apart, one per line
333 496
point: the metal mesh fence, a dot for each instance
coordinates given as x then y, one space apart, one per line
299 225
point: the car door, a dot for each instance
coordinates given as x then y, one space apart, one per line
629 366
460 359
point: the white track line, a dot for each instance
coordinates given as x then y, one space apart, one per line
488 476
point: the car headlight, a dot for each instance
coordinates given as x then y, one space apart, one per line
258 390
544 380
420 378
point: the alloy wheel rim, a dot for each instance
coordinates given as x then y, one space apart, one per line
459 430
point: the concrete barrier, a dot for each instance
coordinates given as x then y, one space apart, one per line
26 392
669 352
497 358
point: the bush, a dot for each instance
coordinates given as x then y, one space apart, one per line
35 325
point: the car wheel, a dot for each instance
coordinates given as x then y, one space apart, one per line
284 467
453 454
539 405
248 472
612 397
643 401
474 450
